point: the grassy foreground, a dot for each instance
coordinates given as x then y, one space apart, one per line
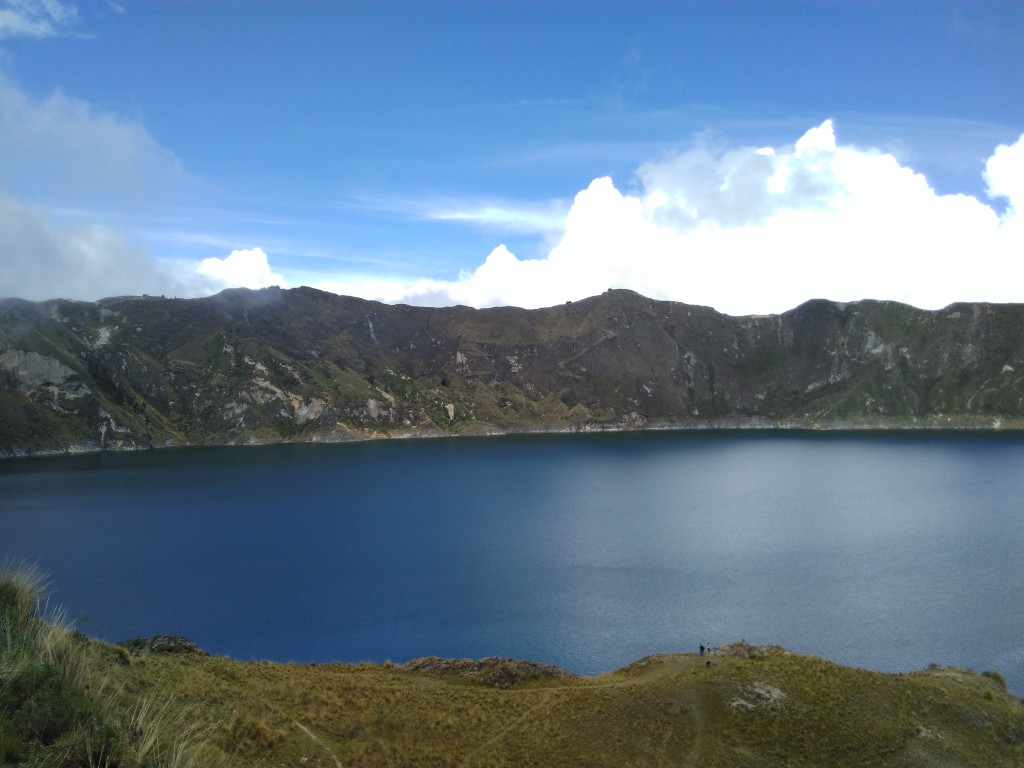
751 707
61 704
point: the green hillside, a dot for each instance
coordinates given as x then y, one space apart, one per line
303 365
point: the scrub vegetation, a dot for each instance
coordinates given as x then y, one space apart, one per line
60 704
306 366
66 700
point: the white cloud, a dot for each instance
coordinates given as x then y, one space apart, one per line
514 218
36 18
63 150
509 215
756 230
46 260
245 268
422 292
1004 174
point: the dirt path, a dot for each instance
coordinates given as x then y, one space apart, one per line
313 737
544 703
689 726
693 715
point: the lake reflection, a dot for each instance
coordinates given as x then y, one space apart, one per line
888 551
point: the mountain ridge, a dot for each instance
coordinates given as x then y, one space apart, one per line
277 365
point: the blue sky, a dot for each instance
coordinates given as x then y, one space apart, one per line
745 155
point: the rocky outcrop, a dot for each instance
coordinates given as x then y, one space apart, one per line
494 671
303 365
143 646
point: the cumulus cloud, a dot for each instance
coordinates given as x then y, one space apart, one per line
36 18
1004 175
245 268
755 230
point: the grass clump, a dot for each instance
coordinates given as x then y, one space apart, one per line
57 704
44 668
997 677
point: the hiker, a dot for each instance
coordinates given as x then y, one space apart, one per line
702 649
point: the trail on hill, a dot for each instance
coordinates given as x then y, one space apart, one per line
318 742
543 704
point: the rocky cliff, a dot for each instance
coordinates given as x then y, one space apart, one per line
286 365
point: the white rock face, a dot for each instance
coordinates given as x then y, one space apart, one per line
759 694
33 369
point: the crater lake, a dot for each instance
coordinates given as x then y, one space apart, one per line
888 550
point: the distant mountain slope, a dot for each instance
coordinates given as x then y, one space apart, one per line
284 365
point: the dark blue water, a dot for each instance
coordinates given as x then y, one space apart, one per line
887 551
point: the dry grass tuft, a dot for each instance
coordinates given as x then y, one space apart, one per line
59 705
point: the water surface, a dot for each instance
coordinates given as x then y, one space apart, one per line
887 551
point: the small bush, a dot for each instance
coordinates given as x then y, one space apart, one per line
254 732
40 706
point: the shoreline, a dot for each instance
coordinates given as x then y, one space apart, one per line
931 425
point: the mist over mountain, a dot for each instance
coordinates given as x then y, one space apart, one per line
278 365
